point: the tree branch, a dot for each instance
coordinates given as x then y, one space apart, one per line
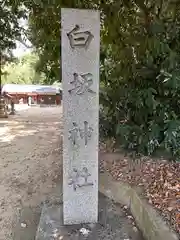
159 9
140 4
24 43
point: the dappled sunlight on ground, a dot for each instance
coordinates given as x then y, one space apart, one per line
25 126
14 129
30 143
8 136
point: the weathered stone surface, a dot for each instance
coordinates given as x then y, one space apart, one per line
112 224
147 219
80 76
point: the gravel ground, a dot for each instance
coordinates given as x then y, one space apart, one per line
115 223
29 161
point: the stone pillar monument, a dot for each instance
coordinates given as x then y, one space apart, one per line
80 47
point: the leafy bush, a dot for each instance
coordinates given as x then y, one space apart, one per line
141 76
140 67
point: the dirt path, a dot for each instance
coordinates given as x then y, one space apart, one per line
29 148
30 169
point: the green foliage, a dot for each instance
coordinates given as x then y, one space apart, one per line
142 91
44 33
140 73
10 31
22 71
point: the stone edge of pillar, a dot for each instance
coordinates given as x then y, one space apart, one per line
43 229
146 217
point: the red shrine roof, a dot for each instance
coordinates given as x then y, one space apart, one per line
25 89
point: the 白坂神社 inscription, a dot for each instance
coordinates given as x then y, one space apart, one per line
80 178
84 133
78 38
80 47
82 83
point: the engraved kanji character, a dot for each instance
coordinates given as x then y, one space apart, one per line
74 133
86 133
79 38
85 174
74 179
82 83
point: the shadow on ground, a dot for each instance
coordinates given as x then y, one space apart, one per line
31 175
13 128
112 224
30 161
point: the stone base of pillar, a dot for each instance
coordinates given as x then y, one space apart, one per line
3 111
